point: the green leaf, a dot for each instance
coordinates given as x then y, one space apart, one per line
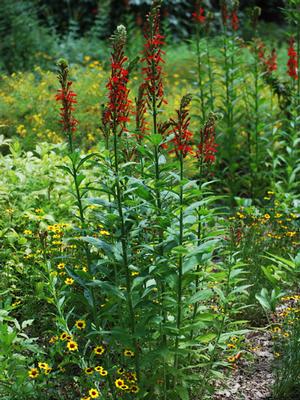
183 392
107 288
202 295
99 244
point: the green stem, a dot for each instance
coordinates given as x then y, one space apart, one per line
124 247
180 264
200 81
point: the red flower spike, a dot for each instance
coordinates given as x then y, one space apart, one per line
199 16
116 113
67 98
140 120
153 58
224 12
292 63
207 147
235 20
180 129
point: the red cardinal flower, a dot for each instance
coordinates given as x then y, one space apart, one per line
199 16
153 58
180 129
271 62
67 98
140 120
235 20
116 114
207 146
224 12
292 63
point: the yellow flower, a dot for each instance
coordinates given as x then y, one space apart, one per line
267 216
85 398
98 368
105 233
231 346
33 373
134 389
72 346
53 339
89 370
103 372
43 365
134 273
80 324
99 350
120 371
27 232
231 359
61 266
69 281
64 336
94 393
128 353
119 383
48 370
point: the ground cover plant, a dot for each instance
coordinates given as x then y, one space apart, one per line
149 234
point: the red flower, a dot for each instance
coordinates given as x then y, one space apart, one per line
180 129
224 12
271 62
292 63
140 120
207 146
67 98
199 16
234 20
153 58
116 114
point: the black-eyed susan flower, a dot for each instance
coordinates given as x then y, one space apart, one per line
98 368
53 339
134 389
94 393
124 387
128 353
89 370
64 336
99 350
119 383
48 370
43 365
33 373
103 372
69 281
85 398
61 265
80 324
120 371
72 346
131 376
231 359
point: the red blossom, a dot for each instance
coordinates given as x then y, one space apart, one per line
140 120
117 111
180 129
153 59
235 20
269 62
292 63
67 98
199 16
207 146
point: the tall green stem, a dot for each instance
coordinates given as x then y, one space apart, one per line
180 263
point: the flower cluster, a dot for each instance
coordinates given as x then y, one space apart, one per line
180 129
199 16
154 90
67 98
233 16
269 62
140 120
292 63
207 146
116 114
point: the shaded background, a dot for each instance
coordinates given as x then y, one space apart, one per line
37 31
